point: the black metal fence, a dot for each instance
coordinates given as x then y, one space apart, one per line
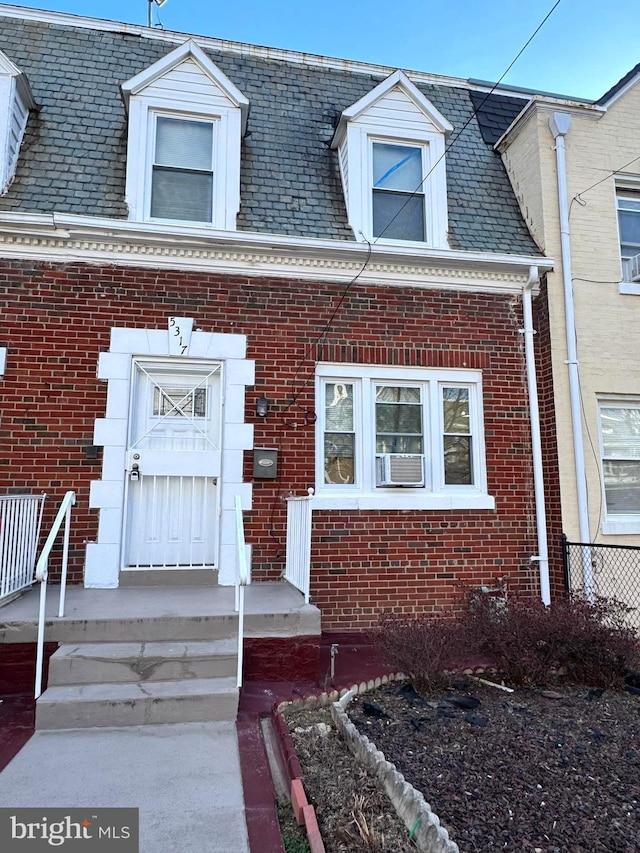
612 571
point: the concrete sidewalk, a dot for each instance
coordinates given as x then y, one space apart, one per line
185 779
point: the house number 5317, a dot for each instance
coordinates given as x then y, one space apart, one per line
180 335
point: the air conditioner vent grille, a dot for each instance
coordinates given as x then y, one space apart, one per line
400 469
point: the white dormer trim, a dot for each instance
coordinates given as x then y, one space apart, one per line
185 85
393 113
398 78
15 102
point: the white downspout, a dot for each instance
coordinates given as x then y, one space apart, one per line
559 124
536 445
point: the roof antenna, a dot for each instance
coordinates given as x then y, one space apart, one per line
158 3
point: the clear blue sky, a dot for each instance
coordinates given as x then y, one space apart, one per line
582 50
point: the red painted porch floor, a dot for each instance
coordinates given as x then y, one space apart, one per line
356 661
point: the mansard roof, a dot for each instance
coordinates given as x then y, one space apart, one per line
73 158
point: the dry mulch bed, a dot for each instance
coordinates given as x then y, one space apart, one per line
523 771
353 812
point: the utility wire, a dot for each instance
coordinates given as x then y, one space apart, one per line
324 334
578 196
327 328
475 112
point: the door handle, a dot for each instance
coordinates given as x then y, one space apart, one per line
134 474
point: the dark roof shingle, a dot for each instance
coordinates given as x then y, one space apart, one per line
73 157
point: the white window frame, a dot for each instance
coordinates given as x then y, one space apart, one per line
152 118
219 102
615 523
360 141
226 193
16 101
628 187
435 494
424 190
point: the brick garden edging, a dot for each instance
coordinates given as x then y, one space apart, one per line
409 804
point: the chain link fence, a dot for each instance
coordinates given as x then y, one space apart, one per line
610 571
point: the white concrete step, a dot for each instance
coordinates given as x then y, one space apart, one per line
99 705
96 663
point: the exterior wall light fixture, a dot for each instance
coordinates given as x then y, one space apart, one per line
262 407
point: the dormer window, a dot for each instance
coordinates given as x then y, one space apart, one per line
391 146
186 121
15 102
398 192
182 170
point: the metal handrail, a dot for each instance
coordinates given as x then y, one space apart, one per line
42 575
242 579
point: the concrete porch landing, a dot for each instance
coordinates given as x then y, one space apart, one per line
160 613
159 654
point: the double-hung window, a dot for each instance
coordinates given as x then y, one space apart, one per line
182 173
398 203
185 124
629 227
620 447
400 437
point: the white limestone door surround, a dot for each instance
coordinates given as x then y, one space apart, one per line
204 353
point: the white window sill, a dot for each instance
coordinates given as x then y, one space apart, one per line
632 287
401 499
624 526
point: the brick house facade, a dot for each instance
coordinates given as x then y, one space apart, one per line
295 304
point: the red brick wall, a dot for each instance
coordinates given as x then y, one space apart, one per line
549 443
56 319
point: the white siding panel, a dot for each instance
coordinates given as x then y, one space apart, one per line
343 155
187 83
396 110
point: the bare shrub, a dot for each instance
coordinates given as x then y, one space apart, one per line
525 640
595 644
424 647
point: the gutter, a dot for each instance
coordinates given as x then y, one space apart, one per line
542 558
559 124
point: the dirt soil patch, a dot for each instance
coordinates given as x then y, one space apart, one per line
353 812
554 771
532 770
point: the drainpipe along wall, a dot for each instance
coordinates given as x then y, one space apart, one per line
542 557
559 124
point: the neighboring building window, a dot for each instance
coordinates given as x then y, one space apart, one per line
182 170
620 442
398 192
629 227
400 434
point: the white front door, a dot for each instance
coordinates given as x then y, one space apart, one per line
173 465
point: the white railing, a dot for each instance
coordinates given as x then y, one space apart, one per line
242 579
20 520
42 575
298 561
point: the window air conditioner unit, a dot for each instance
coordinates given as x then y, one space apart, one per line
635 268
400 469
